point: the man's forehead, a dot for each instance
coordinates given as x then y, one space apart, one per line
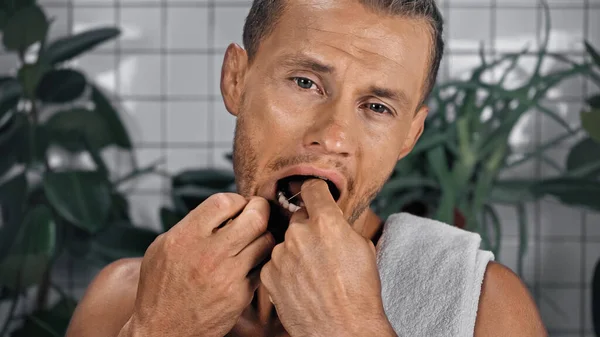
349 27
348 19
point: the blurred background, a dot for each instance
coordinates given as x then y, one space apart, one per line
118 123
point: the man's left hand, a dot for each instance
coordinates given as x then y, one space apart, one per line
323 278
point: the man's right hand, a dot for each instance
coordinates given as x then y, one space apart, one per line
194 279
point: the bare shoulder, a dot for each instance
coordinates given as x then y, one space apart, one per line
506 307
108 301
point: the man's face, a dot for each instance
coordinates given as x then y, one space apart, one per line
332 92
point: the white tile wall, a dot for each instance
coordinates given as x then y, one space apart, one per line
166 70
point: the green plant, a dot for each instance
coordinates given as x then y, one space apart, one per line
54 201
455 173
590 147
191 187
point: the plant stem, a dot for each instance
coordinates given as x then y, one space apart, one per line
44 326
135 173
32 131
42 294
10 316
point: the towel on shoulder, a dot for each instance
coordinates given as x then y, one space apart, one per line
431 276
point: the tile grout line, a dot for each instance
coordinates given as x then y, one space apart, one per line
536 217
447 51
583 300
70 280
164 77
210 116
117 83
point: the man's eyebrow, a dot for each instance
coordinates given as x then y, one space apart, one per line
303 61
398 96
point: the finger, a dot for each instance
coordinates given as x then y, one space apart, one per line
255 254
317 198
214 211
254 280
247 324
299 216
373 248
248 226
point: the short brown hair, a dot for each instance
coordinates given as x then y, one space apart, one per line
264 15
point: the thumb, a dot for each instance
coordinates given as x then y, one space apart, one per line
373 249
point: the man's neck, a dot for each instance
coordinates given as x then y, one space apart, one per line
369 225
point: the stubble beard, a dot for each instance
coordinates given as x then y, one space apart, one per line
245 161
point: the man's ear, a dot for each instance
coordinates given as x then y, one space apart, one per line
416 130
234 68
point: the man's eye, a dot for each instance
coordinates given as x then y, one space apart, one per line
379 108
304 83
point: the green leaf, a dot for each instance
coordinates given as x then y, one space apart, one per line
48 323
3 19
61 86
496 226
122 240
190 196
12 200
30 75
553 115
540 150
120 137
571 191
13 142
168 218
120 208
593 53
10 94
429 140
11 6
68 128
512 191
26 27
82 198
400 183
69 47
594 102
438 162
591 123
76 241
30 251
210 178
523 236
585 154
399 202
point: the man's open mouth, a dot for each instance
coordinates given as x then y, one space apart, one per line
288 191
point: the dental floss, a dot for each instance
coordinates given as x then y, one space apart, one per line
295 195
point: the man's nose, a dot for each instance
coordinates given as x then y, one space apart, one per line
332 131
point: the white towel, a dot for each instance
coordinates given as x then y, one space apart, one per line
431 276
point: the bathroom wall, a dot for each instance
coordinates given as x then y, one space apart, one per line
164 74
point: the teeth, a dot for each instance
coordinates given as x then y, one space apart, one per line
283 201
288 205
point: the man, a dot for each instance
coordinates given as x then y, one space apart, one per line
328 95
